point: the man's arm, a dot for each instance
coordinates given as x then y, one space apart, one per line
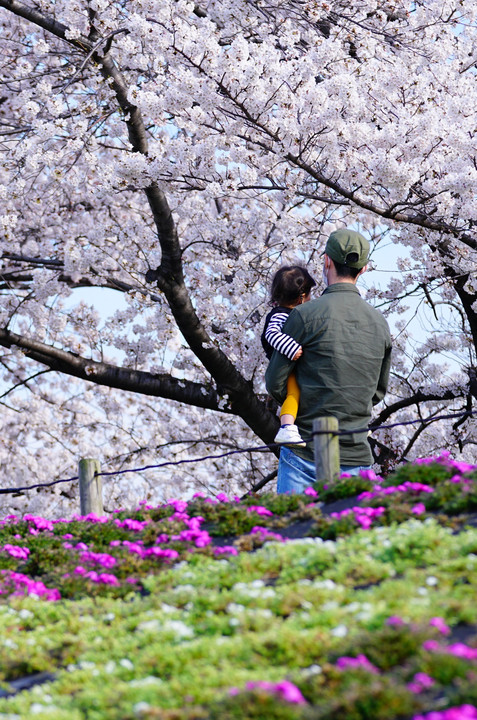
383 377
280 367
276 376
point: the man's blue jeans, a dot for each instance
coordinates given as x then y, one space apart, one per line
295 474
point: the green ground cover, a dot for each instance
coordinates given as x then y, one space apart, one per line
355 601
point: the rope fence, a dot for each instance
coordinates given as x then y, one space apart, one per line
329 432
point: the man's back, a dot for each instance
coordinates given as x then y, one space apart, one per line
344 368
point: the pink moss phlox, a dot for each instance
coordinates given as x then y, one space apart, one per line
462 651
20 584
440 624
418 509
370 475
395 621
457 649
39 523
138 549
222 497
260 510
91 517
179 517
408 487
363 516
311 492
443 459
163 553
102 578
360 661
284 689
461 467
225 550
461 712
179 506
93 558
266 533
420 682
194 534
134 547
200 538
16 551
432 646
130 524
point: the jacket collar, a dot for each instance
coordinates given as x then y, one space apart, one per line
341 287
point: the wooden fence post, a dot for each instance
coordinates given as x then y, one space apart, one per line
326 447
90 486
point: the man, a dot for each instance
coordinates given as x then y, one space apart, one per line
344 368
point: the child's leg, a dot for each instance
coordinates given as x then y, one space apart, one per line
289 433
289 408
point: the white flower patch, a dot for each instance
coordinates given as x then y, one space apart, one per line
180 630
148 681
340 631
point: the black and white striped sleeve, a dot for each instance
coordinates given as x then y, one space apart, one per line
279 340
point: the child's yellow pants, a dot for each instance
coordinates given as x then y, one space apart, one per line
290 406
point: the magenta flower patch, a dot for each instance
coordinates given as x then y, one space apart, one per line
14 583
260 510
21 553
462 712
284 689
360 661
420 682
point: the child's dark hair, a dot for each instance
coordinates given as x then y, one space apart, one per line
289 284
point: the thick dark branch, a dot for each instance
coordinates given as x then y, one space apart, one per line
101 373
47 23
170 279
15 275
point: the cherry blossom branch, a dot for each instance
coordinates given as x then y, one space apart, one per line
169 277
418 397
103 373
47 23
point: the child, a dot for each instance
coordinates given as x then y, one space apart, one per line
291 286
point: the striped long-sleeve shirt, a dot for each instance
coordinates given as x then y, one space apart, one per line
272 336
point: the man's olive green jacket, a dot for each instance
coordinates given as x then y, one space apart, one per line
344 368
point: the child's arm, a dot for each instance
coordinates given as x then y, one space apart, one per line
279 340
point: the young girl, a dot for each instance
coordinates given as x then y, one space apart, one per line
291 286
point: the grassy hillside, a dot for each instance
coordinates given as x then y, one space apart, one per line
351 602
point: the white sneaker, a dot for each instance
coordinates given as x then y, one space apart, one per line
289 435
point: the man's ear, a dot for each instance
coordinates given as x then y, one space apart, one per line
363 269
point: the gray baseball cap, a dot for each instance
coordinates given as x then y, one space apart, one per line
348 247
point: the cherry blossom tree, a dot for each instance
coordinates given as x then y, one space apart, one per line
174 155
